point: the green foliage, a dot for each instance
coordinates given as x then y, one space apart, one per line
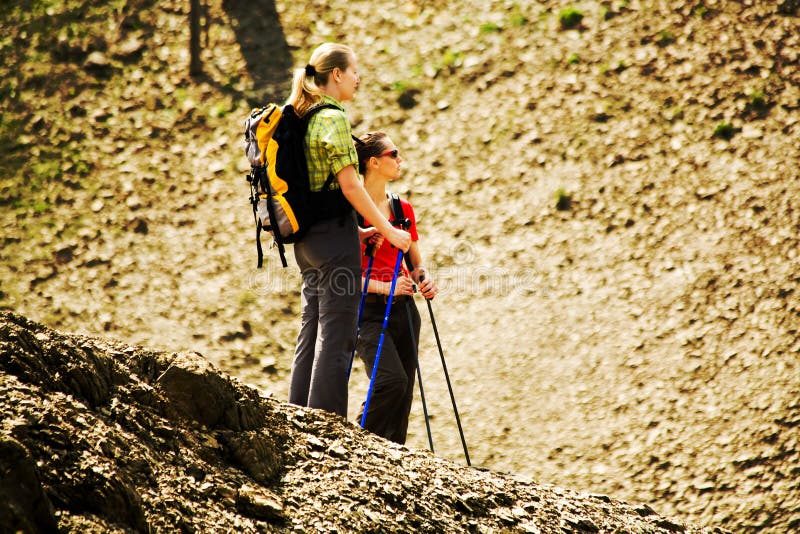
78 164
11 156
73 30
724 130
563 200
247 298
181 94
40 205
6 42
219 110
46 169
607 68
451 59
674 113
543 19
569 18
757 99
664 38
490 27
608 10
573 59
400 86
42 47
517 18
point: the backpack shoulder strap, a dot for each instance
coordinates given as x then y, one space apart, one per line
396 206
316 108
398 215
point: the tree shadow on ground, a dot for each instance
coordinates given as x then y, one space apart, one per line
264 48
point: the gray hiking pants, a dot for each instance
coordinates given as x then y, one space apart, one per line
329 257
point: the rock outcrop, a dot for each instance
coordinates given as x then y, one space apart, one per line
642 343
98 435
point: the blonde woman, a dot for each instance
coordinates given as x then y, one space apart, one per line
393 391
329 254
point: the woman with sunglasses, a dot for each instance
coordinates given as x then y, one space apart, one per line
379 162
328 255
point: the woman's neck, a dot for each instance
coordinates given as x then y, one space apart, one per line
332 90
376 188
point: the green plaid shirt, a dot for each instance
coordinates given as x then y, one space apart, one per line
329 146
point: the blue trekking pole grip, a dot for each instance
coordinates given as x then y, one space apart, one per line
370 252
380 340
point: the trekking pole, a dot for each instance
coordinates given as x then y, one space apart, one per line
444 367
419 373
380 340
405 224
447 377
370 252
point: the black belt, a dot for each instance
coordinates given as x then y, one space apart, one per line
375 298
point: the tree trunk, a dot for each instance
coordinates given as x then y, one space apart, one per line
195 64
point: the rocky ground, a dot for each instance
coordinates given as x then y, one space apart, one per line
99 436
637 339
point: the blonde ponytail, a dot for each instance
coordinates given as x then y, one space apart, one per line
306 81
305 92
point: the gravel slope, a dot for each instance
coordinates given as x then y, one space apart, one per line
642 343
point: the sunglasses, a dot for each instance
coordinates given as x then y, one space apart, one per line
391 153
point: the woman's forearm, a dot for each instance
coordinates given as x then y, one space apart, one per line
355 193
